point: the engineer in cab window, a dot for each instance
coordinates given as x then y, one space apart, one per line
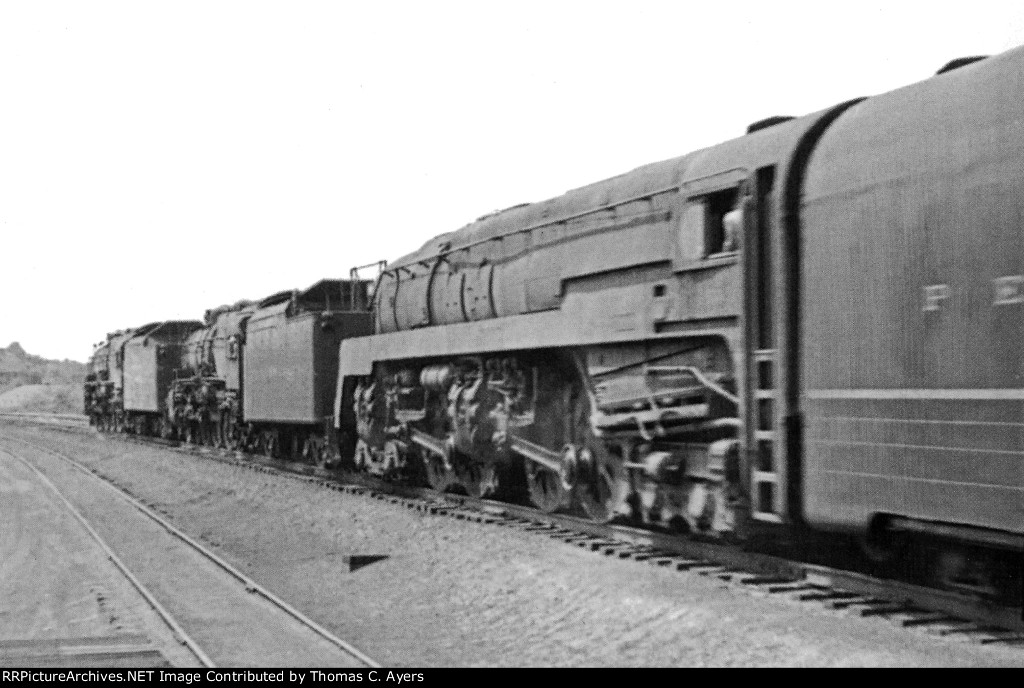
733 225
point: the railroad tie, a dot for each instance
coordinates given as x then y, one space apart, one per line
887 609
858 601
827 595
923 618
1007 637
765 580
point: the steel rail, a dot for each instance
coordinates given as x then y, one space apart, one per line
71 419
250 584
183 637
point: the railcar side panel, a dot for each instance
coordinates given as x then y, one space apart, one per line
913 308
141 378
279 371
291 363
151 359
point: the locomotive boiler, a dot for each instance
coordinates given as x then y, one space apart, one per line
817 324
204 402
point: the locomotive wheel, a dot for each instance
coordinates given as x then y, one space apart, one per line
219 435
311 450
439 469
209 434
330 457
270 444
229 433
888 552
293 445
362 457
600 478
480 480
545 486
438 477
393 458
602 487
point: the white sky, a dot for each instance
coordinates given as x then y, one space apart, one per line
159 159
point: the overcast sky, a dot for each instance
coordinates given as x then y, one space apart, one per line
159 159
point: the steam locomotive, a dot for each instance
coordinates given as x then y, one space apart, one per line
818 324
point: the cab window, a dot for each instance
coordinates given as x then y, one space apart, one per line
722 222
710 229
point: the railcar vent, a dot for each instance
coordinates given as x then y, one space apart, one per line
960 62
767 122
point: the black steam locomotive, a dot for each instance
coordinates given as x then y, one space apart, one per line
818 324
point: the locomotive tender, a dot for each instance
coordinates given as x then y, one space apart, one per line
189 379
819 323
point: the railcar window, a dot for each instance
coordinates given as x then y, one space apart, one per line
716 206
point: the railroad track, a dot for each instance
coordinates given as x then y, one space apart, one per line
72 420
943 612
301 627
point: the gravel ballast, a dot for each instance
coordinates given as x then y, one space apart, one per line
452 593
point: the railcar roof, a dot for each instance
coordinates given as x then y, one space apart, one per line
925 127
171 327
279 297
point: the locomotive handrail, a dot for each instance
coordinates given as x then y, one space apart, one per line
353 275
547 223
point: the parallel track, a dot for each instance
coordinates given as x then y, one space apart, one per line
73 420
906 604
250 585
183 637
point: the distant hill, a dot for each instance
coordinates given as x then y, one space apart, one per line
33 383
43 399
